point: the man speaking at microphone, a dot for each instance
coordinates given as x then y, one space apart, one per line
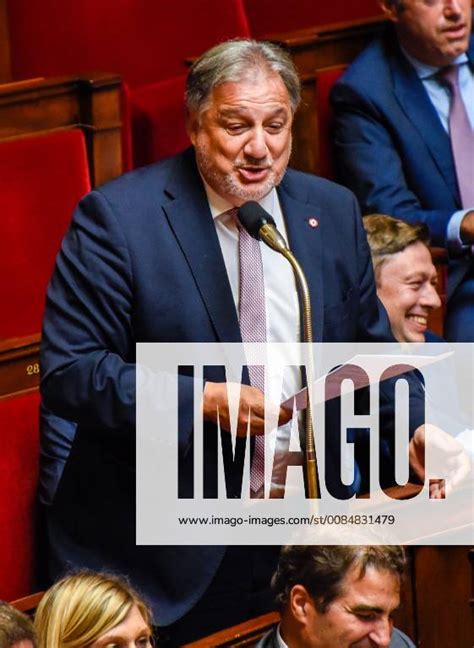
158 256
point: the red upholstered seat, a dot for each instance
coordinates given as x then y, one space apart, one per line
143 40
19 458
158 120
271 16
41 180
325 79
146 42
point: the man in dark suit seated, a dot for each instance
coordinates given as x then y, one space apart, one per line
404 138
338 595
154 257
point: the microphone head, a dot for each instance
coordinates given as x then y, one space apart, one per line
252 216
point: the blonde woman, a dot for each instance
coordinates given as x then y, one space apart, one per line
90 610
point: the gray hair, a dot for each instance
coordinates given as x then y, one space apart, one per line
233 61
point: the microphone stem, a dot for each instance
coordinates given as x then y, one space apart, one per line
270 235
310 451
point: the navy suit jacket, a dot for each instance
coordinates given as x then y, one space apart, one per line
390 146
142 262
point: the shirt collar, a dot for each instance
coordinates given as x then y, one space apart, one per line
280 642
424 71
219 205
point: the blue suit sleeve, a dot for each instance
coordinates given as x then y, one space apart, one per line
88 342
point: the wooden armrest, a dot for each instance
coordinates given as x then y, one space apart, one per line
19 365
244 634
29 603
90 101
308 35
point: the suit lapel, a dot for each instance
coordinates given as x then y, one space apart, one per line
190 219
470 51
418 108
305 243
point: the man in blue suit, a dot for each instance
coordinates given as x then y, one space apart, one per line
153 256
392 135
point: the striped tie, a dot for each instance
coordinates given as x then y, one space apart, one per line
253 328
461 135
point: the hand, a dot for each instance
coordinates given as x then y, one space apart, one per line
449 459
251 407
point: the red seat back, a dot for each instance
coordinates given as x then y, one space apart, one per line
158 120
143 40
273 16
19 459
41 180
325 79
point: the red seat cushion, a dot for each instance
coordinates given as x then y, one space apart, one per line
41 180
19 459
325 79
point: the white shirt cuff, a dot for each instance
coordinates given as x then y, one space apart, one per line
454 244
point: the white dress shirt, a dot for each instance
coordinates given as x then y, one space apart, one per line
281 297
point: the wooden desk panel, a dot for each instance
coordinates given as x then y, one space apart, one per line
90 102
444 604
19 365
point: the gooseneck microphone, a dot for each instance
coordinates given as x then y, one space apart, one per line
261 226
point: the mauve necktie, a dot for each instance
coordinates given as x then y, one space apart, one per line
253 327
461 135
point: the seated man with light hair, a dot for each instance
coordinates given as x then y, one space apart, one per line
16 629
406 281
405 275
338 596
